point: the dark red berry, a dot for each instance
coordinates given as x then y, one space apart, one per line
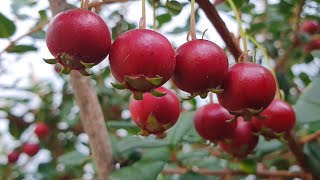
78 37
30 149
142 60
278 117
310 27
13 156
212 122
42 130
154 115
314 44
247 85
243 141
201 67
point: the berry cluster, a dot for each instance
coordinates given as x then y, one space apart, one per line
142 60
42 131
310 28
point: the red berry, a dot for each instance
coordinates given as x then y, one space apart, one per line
76 36
247 85
201 66
212 122
42 130
314 44
154 115
310 27
30 148
57 68
13 156
243 141
279 117
141 54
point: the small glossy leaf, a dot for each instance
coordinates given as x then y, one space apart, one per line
7 27
21 49
73 158
174 7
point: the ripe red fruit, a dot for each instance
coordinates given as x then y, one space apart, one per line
42 130
243 141
314 44
279 117
141 60
154 115
212 123
30 148
201 67
247 85
310 27
13 156
78 39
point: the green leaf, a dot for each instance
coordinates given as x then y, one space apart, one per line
21 49
163 18
131 143
43 15
48 171
265 147
73 158
182 127
248 165
39 34
157 154
308 104
7 27
146 170
315 53
174 7
312 152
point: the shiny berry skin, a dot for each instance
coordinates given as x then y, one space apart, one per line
154 115
201 66
247 85
30 149
81 34
212 122
278 117
140 54
42 130
13 156
310 27
243 141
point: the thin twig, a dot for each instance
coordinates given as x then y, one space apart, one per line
310 137
263 173
192 22
32 30
98 4
221 27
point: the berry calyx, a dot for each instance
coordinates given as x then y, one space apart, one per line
310 27
214 123
279 117
201 67
30 149
154 115
42 130
243 141
78 39
13 156
141 60
248 89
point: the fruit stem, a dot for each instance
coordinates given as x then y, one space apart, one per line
154 15
84 4
210 97
142 23
242 33
192 22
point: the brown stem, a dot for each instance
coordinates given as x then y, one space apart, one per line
192 22
32 30
221 27
263 173
90 112
310 137
282 60
93 122
296 149
143 21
